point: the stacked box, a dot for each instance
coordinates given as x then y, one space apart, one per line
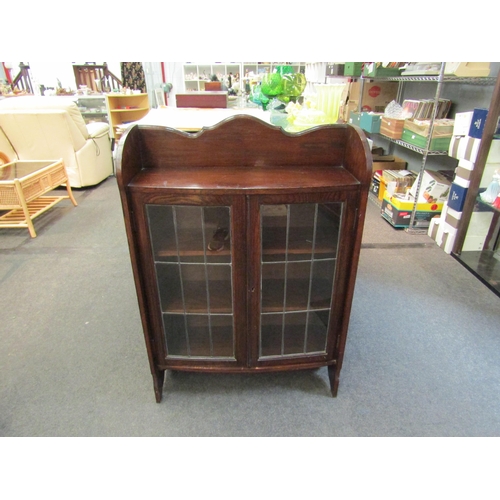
396 164
443 229
392 127
398 181
376 96
464 145
434 187
370 122
353 68
397 210
460 186
374 70
354 118
458 192
477 123
416 132
462 123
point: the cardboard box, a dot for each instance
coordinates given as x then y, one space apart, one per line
397 164
462 123
370 122
391 127
433 227
469 165
353 68
464 148
437 143
354 118
371 69
454 144
376 97
397 211
466 69
416 132
441 128
477 123
446 236
467 148
398 181
442 231
433 188
463 173
451 217
461 181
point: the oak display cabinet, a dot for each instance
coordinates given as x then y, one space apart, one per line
244 242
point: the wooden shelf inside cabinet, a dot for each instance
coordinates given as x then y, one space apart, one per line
125 108
244 241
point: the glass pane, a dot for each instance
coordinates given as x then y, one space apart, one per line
175 335
297 285
299 250
192 251
170 287
274 236
301 231
295 327
327 230
317 330
294 333
322 284
271 338
219 288
201 336
273 287
190 234
222 335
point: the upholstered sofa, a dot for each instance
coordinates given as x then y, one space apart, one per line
46 128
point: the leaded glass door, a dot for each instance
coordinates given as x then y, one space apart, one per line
299 249
193 256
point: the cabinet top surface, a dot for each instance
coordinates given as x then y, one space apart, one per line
237 178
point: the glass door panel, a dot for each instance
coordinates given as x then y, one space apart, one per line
190 233
299 252
192 254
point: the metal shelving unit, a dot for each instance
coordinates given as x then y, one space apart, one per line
439 79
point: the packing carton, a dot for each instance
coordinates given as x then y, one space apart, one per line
434 187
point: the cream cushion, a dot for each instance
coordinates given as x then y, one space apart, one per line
43 128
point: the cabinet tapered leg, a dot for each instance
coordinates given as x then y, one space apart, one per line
334 379
158 379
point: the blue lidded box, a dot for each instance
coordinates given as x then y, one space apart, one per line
456 198
477 122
